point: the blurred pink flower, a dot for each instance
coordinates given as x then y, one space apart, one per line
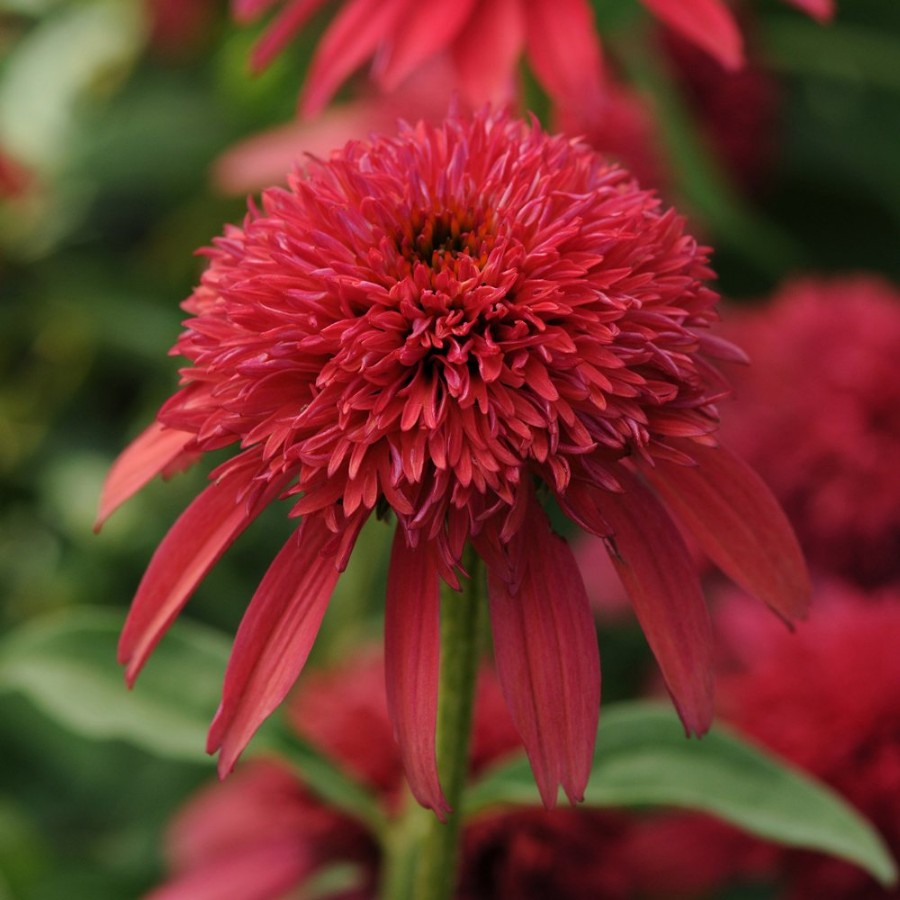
261 833
15 179
482 39
178 25
819 417
824 698
444 325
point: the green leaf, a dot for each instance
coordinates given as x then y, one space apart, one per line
643 758
66 665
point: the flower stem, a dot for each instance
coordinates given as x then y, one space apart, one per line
420 852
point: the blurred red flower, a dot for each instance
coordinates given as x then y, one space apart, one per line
262 833
819 417
443 325
484 40
824 698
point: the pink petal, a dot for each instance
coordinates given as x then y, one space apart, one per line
818 9
351 39
412 658
485 55
203 532
660 577
281 32
424 32
739 525
547 659
706 23
152 451
564 51
255 872
274 638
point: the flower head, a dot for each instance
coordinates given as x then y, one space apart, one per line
820 418
446 326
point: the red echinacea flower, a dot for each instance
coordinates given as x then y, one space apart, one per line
446 326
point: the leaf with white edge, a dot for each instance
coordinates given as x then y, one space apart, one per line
65 664
642 758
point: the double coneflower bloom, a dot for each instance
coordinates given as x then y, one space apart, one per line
453 329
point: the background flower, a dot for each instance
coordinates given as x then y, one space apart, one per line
822 698
820 417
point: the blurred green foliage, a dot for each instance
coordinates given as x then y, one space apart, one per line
119 134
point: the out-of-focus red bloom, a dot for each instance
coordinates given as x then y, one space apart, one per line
824 698
263 822
444 325
484 40
257 837
15 179
820 417
178 25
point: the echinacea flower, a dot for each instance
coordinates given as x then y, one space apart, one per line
444 327
820 417
484 41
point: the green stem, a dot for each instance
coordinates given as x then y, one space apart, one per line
421 853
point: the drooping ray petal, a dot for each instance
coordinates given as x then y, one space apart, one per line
351 39
547 659
203 532
247 10
422 33
563 49
706 23
280 33
274 638
152 451
739 525
412 661
818 9
656 569
486 54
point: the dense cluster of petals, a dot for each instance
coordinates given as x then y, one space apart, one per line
483 41
450 328
820 417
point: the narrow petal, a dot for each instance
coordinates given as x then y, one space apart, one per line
818 9
203 532
739 524
274 638
425 31
412 659
656 569
282 30
564 51
706 23
545 647
351 39
152 451
485 54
